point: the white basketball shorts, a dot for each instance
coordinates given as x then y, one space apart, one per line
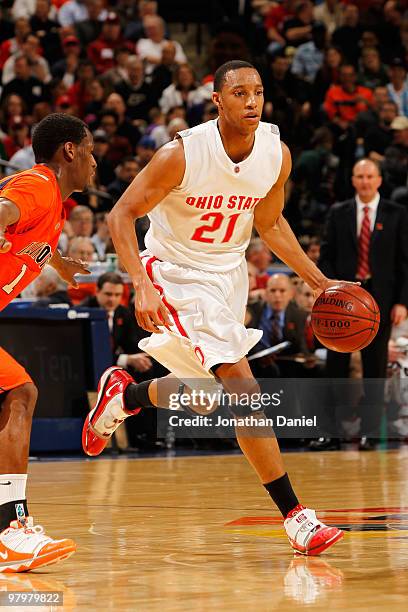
207 310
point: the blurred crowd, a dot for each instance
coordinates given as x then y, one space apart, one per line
335 77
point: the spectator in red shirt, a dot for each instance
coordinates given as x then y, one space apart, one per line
343 102
101 51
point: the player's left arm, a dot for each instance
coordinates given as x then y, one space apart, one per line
276 232
9 215
68 267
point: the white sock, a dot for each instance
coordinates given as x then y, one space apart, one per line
12 487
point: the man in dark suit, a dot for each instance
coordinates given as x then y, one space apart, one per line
366 241
280 319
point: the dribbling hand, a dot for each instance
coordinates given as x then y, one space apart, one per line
151 313
328 282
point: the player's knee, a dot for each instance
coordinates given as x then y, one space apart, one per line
30 394
24 398
244 399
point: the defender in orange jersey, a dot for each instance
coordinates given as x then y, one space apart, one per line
31 221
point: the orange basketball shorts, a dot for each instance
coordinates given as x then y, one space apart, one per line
12 374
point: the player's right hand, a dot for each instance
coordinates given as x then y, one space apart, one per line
151 313
5 245
330 282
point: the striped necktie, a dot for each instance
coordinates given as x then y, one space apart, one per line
363 267
275 335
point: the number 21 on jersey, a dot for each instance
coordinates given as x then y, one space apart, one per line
218 220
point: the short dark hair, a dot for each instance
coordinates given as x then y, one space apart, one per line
53 131
109 277
219 76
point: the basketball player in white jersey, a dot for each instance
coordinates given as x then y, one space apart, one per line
203 192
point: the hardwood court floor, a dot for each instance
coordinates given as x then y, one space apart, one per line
199 533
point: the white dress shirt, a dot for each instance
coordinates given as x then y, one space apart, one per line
111 314
372 205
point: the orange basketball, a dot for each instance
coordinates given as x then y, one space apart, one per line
345 318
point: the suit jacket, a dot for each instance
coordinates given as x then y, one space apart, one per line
124 334
293 329
388 250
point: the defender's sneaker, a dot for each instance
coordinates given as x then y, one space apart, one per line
307 534
109 411
26 547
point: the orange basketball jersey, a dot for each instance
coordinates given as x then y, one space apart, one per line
35 236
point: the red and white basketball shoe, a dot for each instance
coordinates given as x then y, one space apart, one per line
26 547
109 411
307 535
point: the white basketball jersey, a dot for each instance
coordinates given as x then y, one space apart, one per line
206 222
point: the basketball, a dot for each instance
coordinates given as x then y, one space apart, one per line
345 318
